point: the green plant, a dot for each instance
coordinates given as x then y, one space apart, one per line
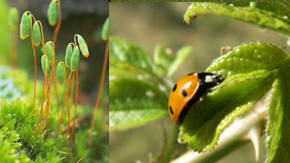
17 126
54 139
35 31
254 91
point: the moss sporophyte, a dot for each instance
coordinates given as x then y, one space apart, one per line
53 75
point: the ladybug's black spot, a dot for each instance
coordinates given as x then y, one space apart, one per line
190 74
174 88
184 92
170 109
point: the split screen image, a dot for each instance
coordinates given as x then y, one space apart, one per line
144 81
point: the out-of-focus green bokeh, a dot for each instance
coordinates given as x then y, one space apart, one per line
4 44
150 24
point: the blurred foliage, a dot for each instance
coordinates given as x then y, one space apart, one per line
4 44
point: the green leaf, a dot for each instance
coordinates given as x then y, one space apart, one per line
126 51
181 56
105 30
249 71
265 15
137 95
277 131
135 102
126 70
207 119
247 58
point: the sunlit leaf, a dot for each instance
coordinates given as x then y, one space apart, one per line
277 131
200 128
247 58
267 16
249 72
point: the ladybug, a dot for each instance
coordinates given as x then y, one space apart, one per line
187 91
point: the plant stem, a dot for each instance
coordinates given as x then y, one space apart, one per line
231 138
42 103
47 106
68 103
66 82
58 25
35 74
75 111
68 129
106 58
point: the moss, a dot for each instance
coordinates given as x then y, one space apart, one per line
17 127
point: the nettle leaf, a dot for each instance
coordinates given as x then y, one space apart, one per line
249 72
264 15
126 51
247 58
135 102
278 121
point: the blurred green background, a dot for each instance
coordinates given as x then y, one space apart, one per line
150 24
